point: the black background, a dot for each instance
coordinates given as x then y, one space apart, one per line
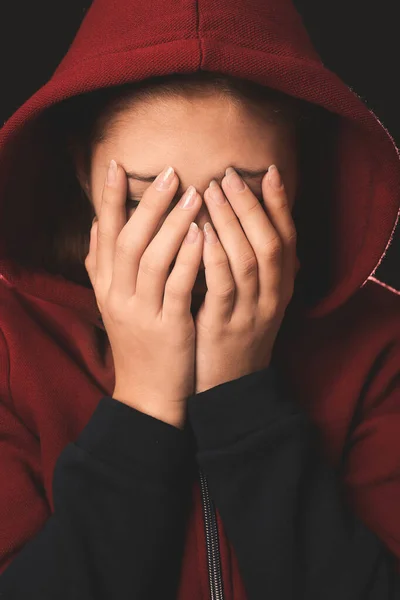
356 39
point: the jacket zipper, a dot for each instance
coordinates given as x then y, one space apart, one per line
212 542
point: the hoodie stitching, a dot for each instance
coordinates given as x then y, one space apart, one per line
12 406
3 337
201 51
72 67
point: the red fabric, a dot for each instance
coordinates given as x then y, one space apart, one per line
341 352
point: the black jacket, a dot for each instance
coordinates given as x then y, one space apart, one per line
122 494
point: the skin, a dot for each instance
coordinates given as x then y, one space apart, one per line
200 138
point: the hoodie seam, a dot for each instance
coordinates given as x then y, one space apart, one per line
384 285
201 51
8 366
120 51
11 403
200 39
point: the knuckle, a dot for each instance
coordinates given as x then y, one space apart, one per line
173 290
273 249
109 198
91 271
104 235
254 207
88 262
248 264
123 250
292 236
149 266
183 264
231 222
248 323
113 306
225 293
148 204
220 262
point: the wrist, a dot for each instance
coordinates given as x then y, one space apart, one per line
172 415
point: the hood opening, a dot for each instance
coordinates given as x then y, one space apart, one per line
48 228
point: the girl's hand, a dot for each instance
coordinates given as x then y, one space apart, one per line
145 307
250 277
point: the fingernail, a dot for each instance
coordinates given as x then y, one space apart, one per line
274 177
112 173
164 179
234 180
210 235
188 197
192 234
216 193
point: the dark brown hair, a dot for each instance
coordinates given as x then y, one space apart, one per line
62 219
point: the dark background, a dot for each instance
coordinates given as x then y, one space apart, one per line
356 39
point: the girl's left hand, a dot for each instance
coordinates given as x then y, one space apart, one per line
250 275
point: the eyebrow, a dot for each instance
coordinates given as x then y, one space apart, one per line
245 173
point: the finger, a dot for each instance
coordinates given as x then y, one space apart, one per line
241 256
262 236
90 262
178 289
157 258
221 289
112 219
139 231
279 213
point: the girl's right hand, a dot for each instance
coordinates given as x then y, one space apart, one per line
144 305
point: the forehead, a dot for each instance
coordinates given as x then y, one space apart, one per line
178 117
204 129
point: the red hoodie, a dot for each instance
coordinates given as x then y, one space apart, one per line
339 347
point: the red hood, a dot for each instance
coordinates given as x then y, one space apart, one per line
264 41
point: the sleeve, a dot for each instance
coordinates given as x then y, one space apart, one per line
280 502
121 498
